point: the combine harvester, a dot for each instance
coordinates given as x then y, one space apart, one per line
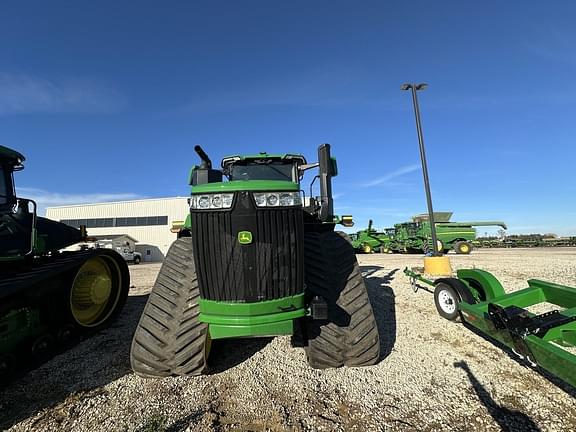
48 299
546 340
252 260
415 236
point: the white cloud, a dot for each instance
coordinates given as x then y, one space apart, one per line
392 175
50 199
22 94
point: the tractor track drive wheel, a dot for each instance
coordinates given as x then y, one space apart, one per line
349 335
169 339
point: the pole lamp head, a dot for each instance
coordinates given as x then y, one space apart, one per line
416 87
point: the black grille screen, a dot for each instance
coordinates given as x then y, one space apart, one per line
270 267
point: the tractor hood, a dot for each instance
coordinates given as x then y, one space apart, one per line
245 185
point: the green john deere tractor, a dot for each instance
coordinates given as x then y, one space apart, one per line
254 259
48 298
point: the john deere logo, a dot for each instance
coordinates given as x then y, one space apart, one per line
245 237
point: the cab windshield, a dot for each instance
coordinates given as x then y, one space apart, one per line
263 170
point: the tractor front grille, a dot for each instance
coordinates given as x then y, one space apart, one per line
269 268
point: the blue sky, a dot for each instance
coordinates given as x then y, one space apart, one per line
107 99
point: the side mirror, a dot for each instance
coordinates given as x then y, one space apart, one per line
333 167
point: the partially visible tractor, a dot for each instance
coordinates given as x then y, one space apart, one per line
415 236
48 298
255 259
371 240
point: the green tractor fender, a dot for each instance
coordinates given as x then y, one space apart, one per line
487 287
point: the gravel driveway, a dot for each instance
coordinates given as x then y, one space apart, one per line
434 375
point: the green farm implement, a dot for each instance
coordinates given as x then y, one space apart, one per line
255 259
370 240
48 298
537 323
525 241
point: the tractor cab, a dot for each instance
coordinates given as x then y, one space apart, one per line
263 166
22 233
10 161
267 174
16 220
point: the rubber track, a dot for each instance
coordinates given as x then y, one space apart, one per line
350 335
169 339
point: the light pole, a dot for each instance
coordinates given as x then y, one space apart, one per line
415 88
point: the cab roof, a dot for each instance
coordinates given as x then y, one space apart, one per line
11 157
298 158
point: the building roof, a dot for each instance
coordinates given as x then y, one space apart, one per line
117 202
113 237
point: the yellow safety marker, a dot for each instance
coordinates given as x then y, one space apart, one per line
437 266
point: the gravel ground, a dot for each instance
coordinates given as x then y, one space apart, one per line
434 375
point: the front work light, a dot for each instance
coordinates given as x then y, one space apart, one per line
211 201
277 199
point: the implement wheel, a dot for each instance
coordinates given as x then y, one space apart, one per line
169 339
462 247
99 290
349 335
447 294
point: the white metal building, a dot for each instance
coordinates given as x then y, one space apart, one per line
147 221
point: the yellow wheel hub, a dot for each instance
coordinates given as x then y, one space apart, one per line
465 248
367 249
93 293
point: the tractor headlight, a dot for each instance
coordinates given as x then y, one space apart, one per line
272 200
211 201
277 199
204 202
227 200
260 199
217 201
